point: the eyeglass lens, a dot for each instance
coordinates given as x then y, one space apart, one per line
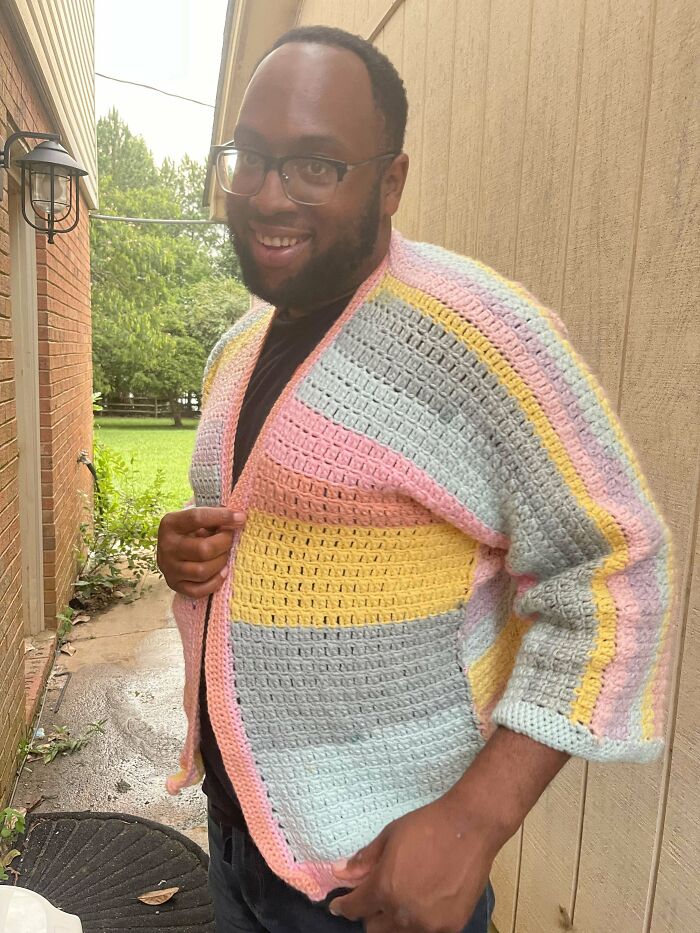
304 179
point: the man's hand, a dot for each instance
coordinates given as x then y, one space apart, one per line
193 549
424 873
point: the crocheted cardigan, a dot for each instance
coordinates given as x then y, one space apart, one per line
446 531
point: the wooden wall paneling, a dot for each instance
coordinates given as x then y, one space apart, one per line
504 127
660 407
361 17
549 146
496 225
393 48
413 73
326 13
550 853
309 12
466 125
550 845
504 878
677 901
604 201
437 119
375 10
393 39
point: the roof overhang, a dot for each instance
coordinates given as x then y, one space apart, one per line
72 112
251 28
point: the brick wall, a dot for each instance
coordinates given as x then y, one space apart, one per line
65 408
65 391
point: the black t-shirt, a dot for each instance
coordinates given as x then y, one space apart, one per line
288 343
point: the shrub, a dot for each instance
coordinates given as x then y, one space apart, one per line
119 543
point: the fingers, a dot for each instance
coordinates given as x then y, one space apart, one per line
194 547
199 590
203 549
360 904
353 870
188 521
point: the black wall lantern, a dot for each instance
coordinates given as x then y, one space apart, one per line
49 182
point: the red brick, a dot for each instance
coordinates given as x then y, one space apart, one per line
63 285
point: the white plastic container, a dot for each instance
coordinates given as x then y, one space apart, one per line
23 911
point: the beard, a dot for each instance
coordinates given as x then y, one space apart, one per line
327 275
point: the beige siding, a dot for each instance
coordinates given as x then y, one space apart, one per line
556 140
59 35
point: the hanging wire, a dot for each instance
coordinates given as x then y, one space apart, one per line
149 87
153 220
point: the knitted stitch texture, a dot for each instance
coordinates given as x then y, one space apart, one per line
446 531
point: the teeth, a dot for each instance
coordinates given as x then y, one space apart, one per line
276 240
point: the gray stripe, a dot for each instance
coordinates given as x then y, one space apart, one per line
425 397
562 371
335 685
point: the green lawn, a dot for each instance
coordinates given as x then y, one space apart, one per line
154 444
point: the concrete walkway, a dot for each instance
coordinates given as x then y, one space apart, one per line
127 669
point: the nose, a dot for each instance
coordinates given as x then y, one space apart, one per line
271 199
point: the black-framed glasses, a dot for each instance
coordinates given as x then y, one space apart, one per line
305 179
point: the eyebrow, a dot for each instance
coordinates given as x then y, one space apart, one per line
308 142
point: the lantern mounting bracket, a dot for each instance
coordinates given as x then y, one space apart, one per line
48 163
5 151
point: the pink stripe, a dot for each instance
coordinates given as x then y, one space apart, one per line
189 617
457 291
489 564
632 516
374 465
279 488
230 733
226 719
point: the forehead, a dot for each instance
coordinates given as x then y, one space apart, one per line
304 90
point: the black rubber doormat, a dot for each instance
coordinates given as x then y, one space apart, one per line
95 865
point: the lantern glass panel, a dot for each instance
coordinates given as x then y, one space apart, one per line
41 191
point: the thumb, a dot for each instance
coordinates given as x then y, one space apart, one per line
362 862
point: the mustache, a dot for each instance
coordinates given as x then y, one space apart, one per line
281 219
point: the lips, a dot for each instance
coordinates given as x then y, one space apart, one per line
277 248
275 241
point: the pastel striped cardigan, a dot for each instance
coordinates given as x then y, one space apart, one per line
446 531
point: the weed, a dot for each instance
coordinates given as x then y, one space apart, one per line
57 742
65 625
11 828
119 542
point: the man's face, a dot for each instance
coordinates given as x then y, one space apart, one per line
308 99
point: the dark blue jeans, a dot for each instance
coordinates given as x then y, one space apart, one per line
249 898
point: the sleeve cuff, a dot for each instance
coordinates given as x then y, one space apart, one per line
555 730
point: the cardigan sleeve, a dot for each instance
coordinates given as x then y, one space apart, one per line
588 551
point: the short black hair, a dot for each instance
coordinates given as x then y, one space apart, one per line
387 87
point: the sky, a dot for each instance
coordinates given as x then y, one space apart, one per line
171 44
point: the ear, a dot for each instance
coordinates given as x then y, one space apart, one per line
393 183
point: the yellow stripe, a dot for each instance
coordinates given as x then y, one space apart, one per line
294 574
585 373
590 686
234 346
489 674
649 727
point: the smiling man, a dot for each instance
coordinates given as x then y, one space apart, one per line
423 568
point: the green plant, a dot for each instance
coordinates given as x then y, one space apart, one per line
119 543
11 828
65 625
57 742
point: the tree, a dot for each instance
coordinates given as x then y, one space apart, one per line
149 282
